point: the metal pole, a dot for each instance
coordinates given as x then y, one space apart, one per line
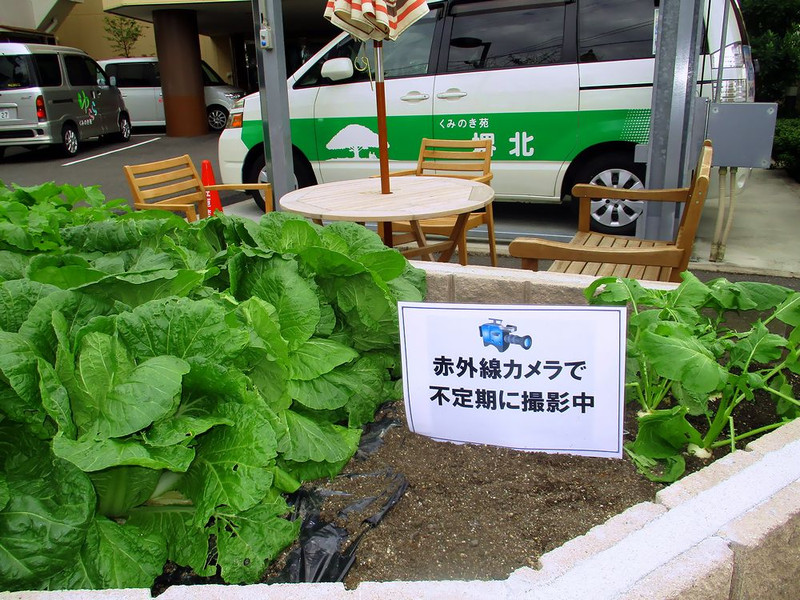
672 109
271 62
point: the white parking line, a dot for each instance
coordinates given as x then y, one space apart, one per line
75 162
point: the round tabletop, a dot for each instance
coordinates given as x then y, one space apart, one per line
411 198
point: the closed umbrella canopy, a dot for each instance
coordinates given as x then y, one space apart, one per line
377 20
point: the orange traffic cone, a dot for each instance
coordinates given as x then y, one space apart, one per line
212 198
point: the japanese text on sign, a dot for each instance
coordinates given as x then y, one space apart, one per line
552 381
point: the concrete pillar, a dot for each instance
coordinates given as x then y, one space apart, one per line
178 49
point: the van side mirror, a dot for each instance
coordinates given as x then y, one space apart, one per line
337 69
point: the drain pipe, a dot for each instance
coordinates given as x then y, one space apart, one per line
718 225
731 205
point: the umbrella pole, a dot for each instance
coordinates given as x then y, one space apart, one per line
380 97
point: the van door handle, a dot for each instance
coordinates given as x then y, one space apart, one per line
414 97
451 94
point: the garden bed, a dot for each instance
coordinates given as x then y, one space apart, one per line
480 512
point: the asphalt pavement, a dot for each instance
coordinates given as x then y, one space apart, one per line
763 241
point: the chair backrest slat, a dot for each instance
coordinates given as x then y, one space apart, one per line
455 156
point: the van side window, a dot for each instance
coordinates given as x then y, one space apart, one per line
501 34
133 74
48 69
407 56
82 70
615 29
15 73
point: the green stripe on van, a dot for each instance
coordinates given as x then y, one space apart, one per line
551 136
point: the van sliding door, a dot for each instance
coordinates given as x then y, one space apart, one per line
616 53
508 73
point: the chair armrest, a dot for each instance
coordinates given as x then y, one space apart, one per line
660 256
585 190
483 178
400 173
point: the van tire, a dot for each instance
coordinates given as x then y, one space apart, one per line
70 142
303 175
217 118
614 169
124 133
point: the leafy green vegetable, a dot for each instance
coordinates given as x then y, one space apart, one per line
163 383
702 349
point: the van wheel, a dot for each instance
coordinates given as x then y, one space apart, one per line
69 140
124 133
615 169
217 118
303 176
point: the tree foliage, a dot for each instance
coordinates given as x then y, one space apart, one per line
122 33
774 30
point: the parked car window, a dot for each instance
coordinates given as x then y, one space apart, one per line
83 71
48 69
615 29
133 74
15 73
407 56
503 34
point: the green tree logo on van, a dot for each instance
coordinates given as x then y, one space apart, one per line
354 138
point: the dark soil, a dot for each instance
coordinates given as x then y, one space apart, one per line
480 512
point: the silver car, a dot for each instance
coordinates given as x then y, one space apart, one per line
140 82
58 96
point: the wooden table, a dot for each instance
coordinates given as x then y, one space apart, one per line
412 199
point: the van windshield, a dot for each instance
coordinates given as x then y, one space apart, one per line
210 76
16 72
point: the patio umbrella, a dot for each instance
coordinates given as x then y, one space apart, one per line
377 20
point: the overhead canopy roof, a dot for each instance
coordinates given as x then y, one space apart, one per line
301 18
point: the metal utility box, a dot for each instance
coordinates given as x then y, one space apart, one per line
742 133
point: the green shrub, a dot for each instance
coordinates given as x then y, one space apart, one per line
786 147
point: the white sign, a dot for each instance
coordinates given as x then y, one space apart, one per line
539 378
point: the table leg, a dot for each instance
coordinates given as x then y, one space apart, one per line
385 231
419 236
455 234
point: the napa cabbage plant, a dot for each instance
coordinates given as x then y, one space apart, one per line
163 385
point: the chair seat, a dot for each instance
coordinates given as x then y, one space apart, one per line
597 269
440 225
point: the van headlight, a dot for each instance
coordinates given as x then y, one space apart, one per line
235 120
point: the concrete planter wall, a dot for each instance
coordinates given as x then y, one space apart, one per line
728 532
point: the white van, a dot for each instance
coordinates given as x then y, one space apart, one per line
562 88
140 83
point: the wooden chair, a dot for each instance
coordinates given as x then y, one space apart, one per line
596 254
173 184
466 159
